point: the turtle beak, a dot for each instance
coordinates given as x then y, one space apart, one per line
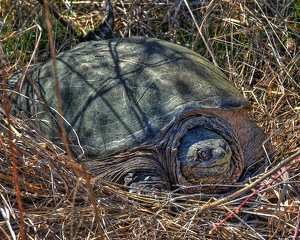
221 158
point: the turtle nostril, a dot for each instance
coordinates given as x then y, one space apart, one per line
222 154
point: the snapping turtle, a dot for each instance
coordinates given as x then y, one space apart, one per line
149 114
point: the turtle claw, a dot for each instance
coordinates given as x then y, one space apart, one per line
145 184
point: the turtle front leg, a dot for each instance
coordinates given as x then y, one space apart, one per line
147 183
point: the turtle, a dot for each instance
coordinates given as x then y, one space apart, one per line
148 114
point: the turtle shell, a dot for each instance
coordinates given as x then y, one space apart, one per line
121 93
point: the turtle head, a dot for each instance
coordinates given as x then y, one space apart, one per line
204 156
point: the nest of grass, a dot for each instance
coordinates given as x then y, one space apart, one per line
46 195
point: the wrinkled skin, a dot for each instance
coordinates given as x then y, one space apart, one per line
203 156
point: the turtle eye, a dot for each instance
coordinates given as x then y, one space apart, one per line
205 155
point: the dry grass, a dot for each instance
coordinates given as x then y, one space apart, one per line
45 195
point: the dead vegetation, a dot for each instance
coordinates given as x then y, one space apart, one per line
45 195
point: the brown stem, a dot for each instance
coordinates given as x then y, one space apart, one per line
252 185
60 19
